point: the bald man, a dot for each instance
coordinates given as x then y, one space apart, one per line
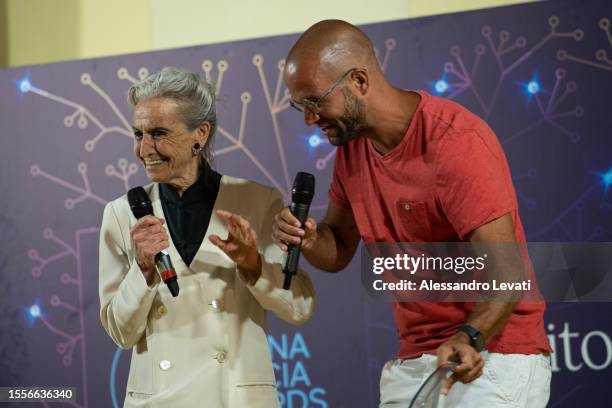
412 167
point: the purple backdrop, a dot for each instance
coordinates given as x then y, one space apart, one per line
538 73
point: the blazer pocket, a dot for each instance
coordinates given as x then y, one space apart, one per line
257 395
413 221
257 384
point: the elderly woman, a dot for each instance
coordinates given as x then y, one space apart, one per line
206 347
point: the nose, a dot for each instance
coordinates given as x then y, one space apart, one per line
146 146
310 117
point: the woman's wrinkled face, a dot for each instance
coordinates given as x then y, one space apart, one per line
163 143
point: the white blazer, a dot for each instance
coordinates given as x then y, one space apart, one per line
208 346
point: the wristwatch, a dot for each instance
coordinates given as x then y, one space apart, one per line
476 338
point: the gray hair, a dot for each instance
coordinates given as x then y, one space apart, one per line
196 97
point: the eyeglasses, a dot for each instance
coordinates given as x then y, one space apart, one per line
313 105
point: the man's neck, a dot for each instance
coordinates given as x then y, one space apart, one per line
390 118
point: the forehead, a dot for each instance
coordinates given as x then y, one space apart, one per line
156 111
306 79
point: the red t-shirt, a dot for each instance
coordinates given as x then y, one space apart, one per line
452 171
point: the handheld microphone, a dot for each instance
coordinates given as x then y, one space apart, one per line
301 197
140 204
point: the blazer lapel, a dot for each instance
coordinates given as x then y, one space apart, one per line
208 253
158 210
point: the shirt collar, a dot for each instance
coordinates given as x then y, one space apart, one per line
197 192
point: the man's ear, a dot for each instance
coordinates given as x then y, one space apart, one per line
360 80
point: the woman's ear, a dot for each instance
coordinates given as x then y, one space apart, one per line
202 133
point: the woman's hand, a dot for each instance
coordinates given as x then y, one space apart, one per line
149 237
240 245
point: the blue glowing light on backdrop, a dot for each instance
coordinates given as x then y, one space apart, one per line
25 85
532 87
33 312
440 86
606 179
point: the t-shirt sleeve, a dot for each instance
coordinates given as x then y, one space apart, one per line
473 182
337 193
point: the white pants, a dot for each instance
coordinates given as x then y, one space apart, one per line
508 380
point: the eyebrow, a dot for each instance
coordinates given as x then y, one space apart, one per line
157 128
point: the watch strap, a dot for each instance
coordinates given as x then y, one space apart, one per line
476 337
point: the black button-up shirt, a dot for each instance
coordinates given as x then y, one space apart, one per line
188 215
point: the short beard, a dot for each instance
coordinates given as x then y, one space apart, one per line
353 118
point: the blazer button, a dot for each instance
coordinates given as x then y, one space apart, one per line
407 207
215 303
220 357
162 310
165 365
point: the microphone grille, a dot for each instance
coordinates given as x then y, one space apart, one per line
140 203
303 188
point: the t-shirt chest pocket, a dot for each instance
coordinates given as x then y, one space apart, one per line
414 224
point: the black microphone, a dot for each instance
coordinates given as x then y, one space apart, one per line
301 197
140 203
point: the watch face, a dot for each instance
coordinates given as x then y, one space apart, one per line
476 337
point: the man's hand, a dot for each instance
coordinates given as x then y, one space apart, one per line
286 230
240 246
150 238
457 349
